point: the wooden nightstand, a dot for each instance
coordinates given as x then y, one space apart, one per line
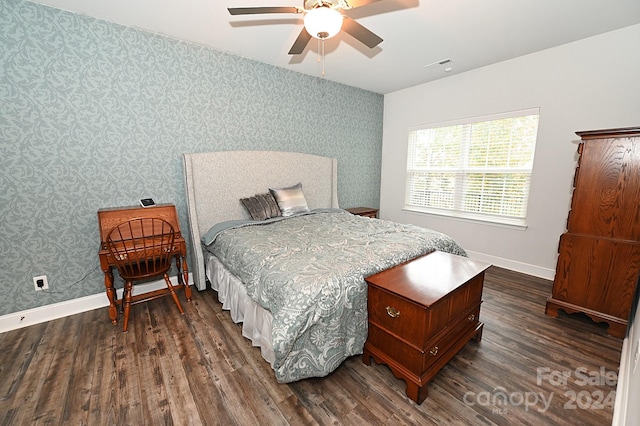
364 211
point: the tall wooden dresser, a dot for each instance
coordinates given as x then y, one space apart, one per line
599 255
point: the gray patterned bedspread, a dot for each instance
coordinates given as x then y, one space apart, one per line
308 271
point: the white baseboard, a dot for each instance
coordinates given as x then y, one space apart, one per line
525 268
33 316
53 311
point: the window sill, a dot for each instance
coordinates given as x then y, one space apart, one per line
484 220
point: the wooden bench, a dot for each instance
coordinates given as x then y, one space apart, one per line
421 313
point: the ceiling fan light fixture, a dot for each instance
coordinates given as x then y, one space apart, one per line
323 22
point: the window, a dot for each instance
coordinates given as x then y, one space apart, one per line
478 168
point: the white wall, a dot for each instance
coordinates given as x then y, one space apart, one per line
586 85
627 410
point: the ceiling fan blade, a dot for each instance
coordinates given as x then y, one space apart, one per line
360 33
300 43
352 4
259 10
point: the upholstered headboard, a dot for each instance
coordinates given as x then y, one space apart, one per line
216 181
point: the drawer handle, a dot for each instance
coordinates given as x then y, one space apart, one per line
434 351
471 317
393 312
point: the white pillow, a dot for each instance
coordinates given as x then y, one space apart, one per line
290 200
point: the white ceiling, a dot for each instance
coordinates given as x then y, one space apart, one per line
473 33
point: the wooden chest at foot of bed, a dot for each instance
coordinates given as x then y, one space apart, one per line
421 313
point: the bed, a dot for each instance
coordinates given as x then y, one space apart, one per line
296 283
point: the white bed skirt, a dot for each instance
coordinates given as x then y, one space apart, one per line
256 321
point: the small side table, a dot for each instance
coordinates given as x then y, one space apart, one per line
364 211
108 218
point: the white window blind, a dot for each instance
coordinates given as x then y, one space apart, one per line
478 168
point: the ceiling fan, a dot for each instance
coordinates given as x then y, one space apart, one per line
322 20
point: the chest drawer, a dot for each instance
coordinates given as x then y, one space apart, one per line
399 317
419 359
418 324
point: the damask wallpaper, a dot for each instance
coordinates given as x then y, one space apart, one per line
98 115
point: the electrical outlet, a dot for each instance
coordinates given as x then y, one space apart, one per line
41 283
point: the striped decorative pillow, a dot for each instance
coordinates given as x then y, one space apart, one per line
261 206
290 200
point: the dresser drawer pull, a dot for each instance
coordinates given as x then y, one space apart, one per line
393 312
471 317
434 351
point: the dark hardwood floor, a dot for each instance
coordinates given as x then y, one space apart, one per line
198 369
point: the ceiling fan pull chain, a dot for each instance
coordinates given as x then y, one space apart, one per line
323 57
321 52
